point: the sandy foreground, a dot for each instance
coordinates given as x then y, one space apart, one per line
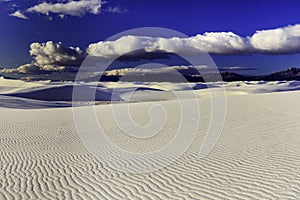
256 157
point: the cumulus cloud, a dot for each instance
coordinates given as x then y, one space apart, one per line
52 56
284 40
33 68
18 14
218 43
168 69
73 8
51 53
119 47
215 42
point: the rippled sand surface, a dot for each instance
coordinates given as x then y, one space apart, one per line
256 157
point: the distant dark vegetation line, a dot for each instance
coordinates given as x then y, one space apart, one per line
287 75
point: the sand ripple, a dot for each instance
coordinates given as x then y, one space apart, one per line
257 157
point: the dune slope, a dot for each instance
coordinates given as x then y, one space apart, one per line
257 156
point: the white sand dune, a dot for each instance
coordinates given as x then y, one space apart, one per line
23 103
43 94
65 93
128 91
256 157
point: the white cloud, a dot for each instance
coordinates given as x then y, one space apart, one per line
218 43
236 68
73 8
34 68
18 14
50 56
283 40
51 53
215 42
115 9
167 69
123 45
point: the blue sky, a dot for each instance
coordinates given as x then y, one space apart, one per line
114 16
